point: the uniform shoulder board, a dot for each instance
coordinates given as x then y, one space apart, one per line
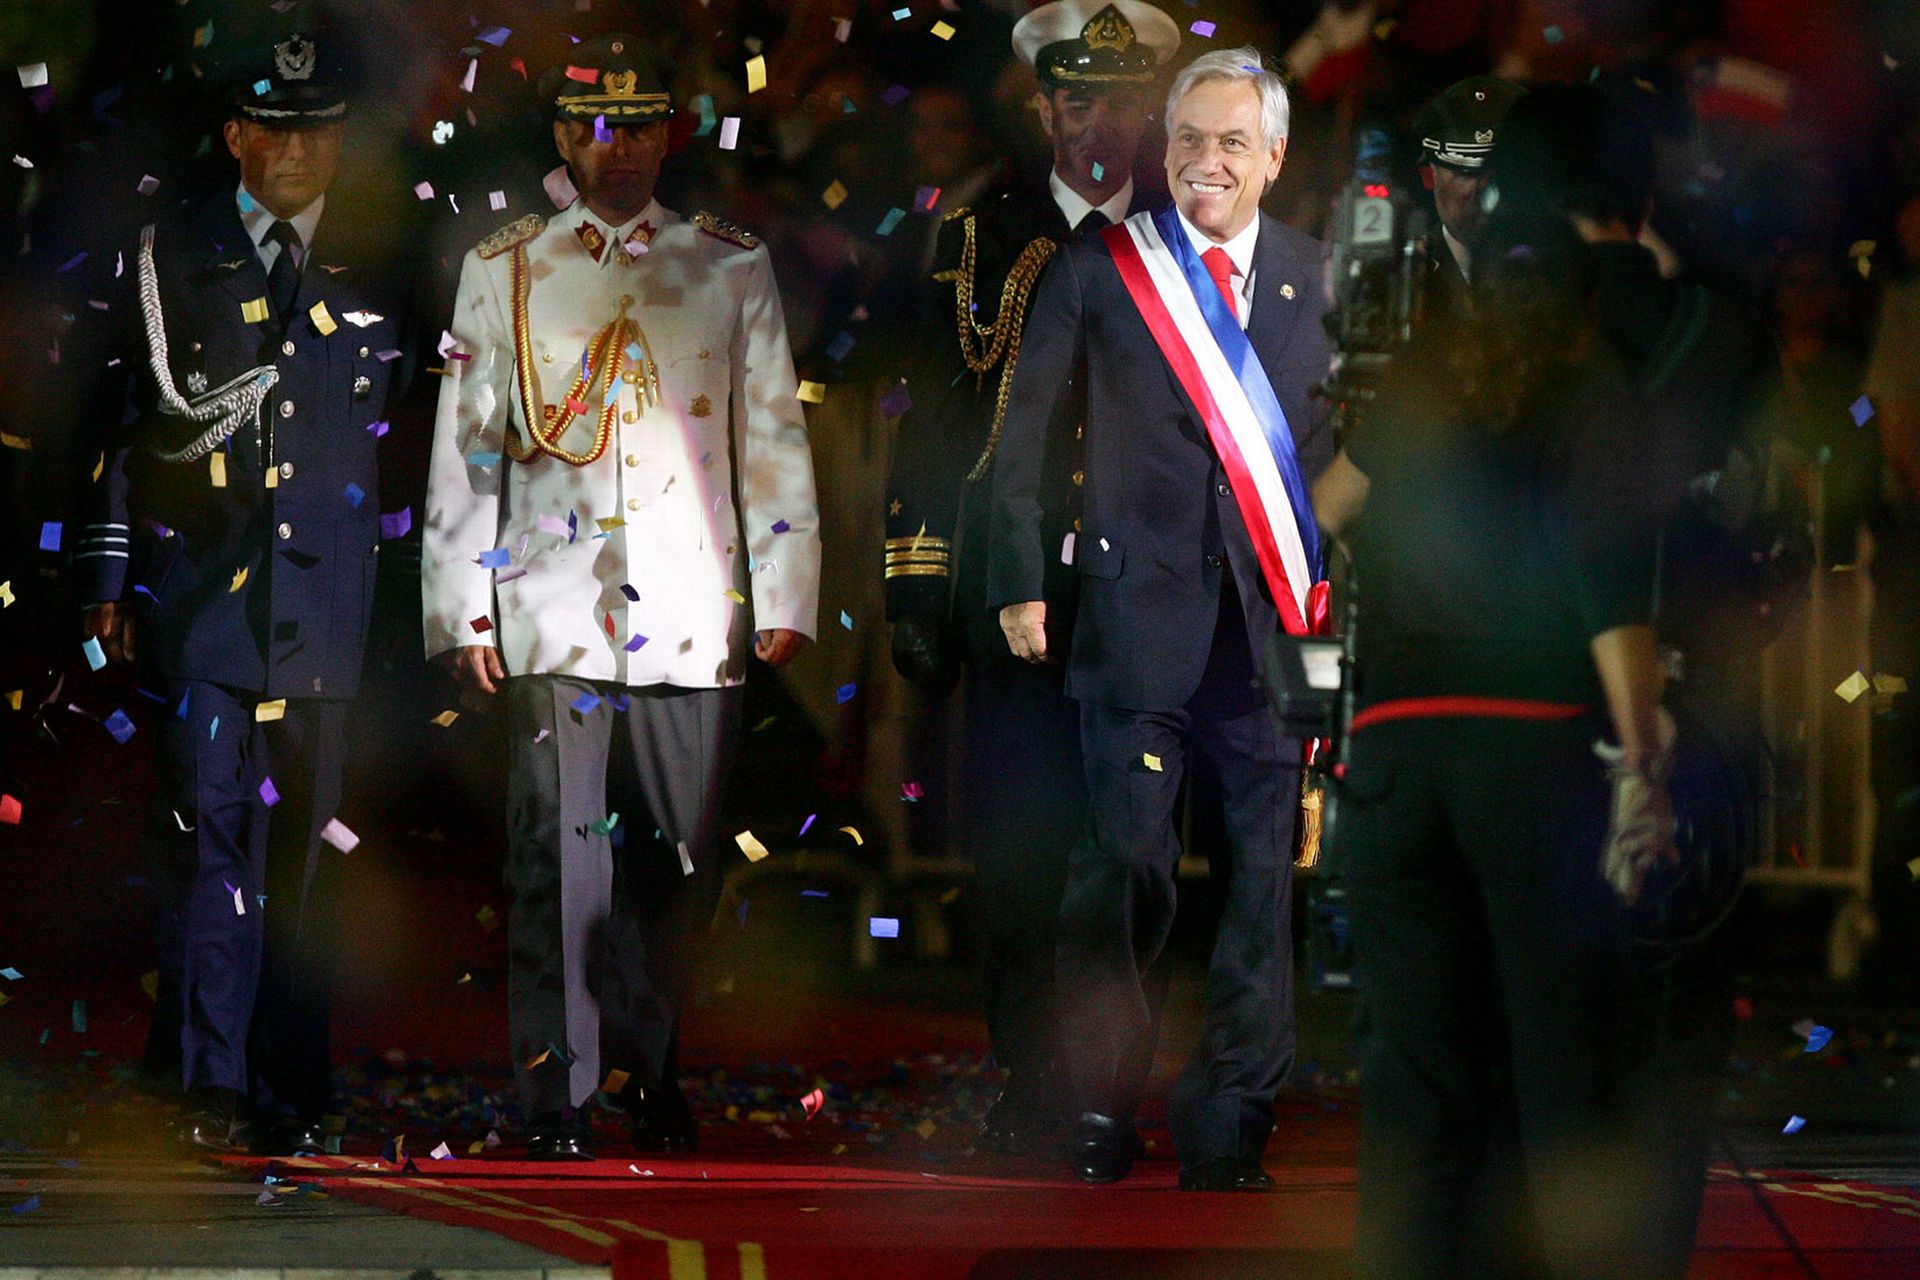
510 235
714 225
957 214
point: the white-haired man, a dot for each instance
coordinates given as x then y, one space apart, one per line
1195 331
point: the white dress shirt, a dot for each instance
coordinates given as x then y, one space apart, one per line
1239 252
1075 206
258 220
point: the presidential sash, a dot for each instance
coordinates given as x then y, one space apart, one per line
1223 377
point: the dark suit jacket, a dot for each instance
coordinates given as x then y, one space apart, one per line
946 432
1160 527
165 538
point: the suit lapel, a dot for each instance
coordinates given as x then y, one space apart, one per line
1280 291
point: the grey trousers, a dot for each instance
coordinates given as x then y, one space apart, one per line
602 942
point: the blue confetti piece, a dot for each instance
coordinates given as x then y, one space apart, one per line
633 645
1553 35
604 826
573 526
1099 171
896 401
396 524
260 87
1862 410
246 201
883 927
119 726
31 1203
813 893
627 590
586 702
79 1017
378 428
495 36
846 619
781 526
740 912
96 656
1204 30
355 495
180 712
845 694
269 794
483 459
213 728
601 133
808 824
141 588
621 702
1795 1124
893 219
901 15
1818 1037
50 536
498 558
842 344
11 974
894 95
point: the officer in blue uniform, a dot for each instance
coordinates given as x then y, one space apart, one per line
232 553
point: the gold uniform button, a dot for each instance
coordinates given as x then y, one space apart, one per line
633 504
1079 478
286 348
286 471
285 531
633 459
629 418
286 408
546 357
363 353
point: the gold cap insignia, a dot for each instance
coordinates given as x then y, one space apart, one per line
620 84
1108 29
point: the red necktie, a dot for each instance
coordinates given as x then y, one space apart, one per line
1220 267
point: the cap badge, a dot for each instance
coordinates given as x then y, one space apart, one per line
1108 29
1483 135
621 84
294 58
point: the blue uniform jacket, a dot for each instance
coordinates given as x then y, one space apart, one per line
264 583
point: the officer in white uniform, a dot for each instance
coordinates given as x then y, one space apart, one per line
621 495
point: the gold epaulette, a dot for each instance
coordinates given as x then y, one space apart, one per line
714 225
920 556
513 233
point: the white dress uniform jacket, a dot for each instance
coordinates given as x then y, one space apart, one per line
654 563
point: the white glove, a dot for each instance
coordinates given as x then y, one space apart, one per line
1641 821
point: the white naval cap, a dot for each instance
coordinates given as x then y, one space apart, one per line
1071 43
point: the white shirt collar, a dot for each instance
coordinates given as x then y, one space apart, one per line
654 215
1075 206
1239 249
1462 256
258 219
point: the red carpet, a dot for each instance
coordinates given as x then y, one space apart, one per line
814 1218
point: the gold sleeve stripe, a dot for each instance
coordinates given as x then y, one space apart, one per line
917 571
918 540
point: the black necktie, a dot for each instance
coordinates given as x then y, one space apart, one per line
283 278
1092 222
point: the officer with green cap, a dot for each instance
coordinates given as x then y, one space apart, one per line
1457 132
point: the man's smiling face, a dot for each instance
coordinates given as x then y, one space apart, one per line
1218 166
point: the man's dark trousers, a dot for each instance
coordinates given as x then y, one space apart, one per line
253 976
1120 898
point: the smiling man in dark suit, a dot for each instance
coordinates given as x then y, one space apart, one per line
1195 333
231 551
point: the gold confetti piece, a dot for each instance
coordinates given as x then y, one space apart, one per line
1852 687
811 392
6 602
273 477
99 465
751 846
834 196
1889 685
446 718
13 695
463 980
1913 868
943 30
926 1128
950 896
274 709
150 983
858 842
609 523
217 463
735 596
12 441
489 919
5 999
756 73
1384 28
475 1148
544 1055
842 1148
1151 761
239 580
254 310
616 1081
322 318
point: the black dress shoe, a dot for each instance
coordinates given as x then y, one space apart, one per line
660 1120
1021 1120
1229 1173
552 1138
215 1120
289 1136
1104 1148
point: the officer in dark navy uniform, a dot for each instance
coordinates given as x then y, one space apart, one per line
1025 793
1457 133
232 553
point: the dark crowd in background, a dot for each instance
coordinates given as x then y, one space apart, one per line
1788 175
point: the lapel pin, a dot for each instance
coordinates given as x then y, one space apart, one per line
1286 291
